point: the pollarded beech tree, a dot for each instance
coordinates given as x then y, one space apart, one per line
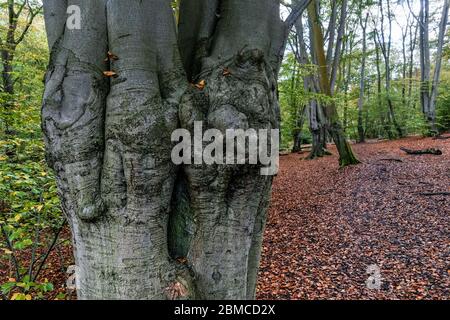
142 227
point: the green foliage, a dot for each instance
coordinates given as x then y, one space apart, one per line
404 95
294 100
443 103
30 211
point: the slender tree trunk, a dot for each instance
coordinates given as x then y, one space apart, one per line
438 65
340 39
14 36
7 72
386 50
347 69
299 129
8 87
299 111
386 125
346 86
425 61
8 49
8 46
412 48
361 132
331 32
131 210
405 63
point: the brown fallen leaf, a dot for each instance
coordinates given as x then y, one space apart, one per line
200 85
176 290
226 72
110 74
182 260
111 57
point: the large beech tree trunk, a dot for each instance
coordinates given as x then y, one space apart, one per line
142 227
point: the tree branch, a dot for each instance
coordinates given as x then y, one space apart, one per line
50 249
13 255
296 12
31 15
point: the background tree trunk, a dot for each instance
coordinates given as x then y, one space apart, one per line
412 48
334 126
314 109
428 88
361 132
438 65
386 51
425 61
16 10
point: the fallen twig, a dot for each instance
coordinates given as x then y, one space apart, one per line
391 159
430 194
441 137
424 151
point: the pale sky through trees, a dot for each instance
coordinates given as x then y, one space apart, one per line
401 13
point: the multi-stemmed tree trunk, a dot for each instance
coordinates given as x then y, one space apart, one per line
142 227
334 126
317 122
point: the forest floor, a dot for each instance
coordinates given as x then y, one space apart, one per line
327 225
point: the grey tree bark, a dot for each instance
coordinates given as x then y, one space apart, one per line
345 74
425 60
386 48
142 227
338 51
384 122
333 124
429 88
412 48
361 131
317 122
438 65
405 32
